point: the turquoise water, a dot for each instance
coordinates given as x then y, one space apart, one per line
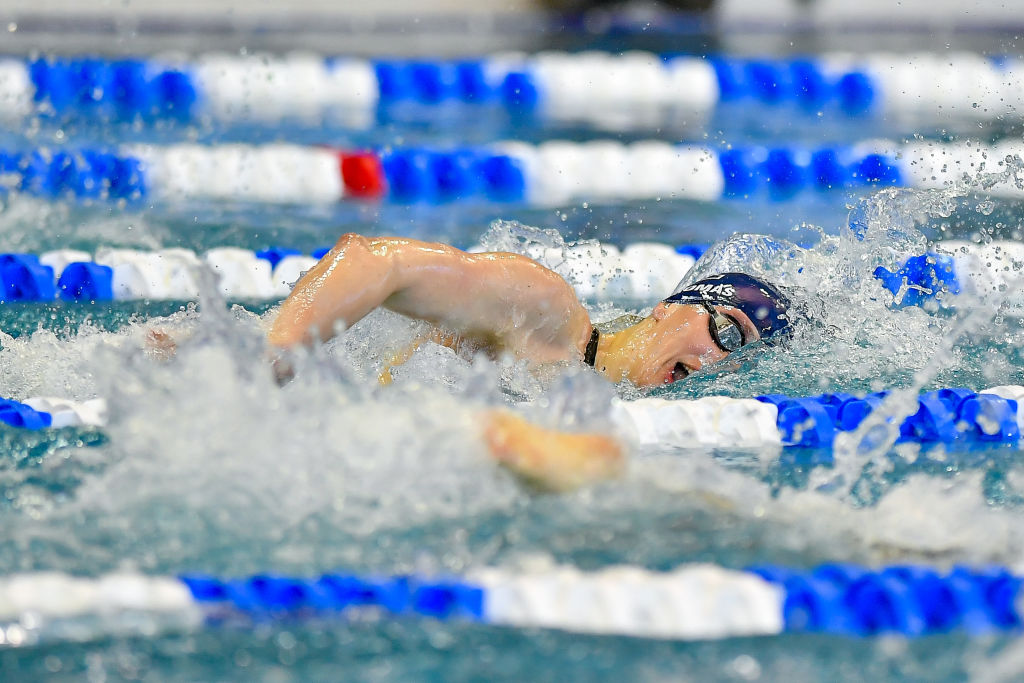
442 652
207 466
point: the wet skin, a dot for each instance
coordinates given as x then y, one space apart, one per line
673 342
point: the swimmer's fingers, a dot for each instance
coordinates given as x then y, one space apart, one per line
549 459
401 357
283 369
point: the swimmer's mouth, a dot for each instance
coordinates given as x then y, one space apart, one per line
679 372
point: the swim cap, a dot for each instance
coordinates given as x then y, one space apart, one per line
766 306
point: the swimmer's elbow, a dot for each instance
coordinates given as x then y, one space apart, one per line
354 249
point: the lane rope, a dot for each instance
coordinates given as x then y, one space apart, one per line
641 271
546 174
953 416
698 601
586 86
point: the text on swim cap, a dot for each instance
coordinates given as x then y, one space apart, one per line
717 290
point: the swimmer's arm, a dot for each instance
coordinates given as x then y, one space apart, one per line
551 460
468 293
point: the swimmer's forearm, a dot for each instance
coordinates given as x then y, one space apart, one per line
424 280
347 283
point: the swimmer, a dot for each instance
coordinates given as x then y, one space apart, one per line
507 303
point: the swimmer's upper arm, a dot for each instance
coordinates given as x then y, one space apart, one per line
430 281
444 280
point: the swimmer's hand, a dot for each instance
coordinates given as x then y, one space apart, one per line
281 367
551 460
160 345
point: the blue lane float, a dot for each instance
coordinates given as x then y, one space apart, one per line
904 599
337 592
86 281
80 174
23 278
688 603
922 278
948 416
15 414
123 89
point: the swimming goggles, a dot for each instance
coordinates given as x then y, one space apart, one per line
725 332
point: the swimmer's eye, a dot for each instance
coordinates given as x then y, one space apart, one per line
679 372
725 330
739 329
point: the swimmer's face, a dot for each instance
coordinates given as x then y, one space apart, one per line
681 342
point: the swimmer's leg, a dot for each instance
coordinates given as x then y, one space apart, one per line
549 459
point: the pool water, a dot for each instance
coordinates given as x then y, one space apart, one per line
208 466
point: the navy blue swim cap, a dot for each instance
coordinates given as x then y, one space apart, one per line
765 305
